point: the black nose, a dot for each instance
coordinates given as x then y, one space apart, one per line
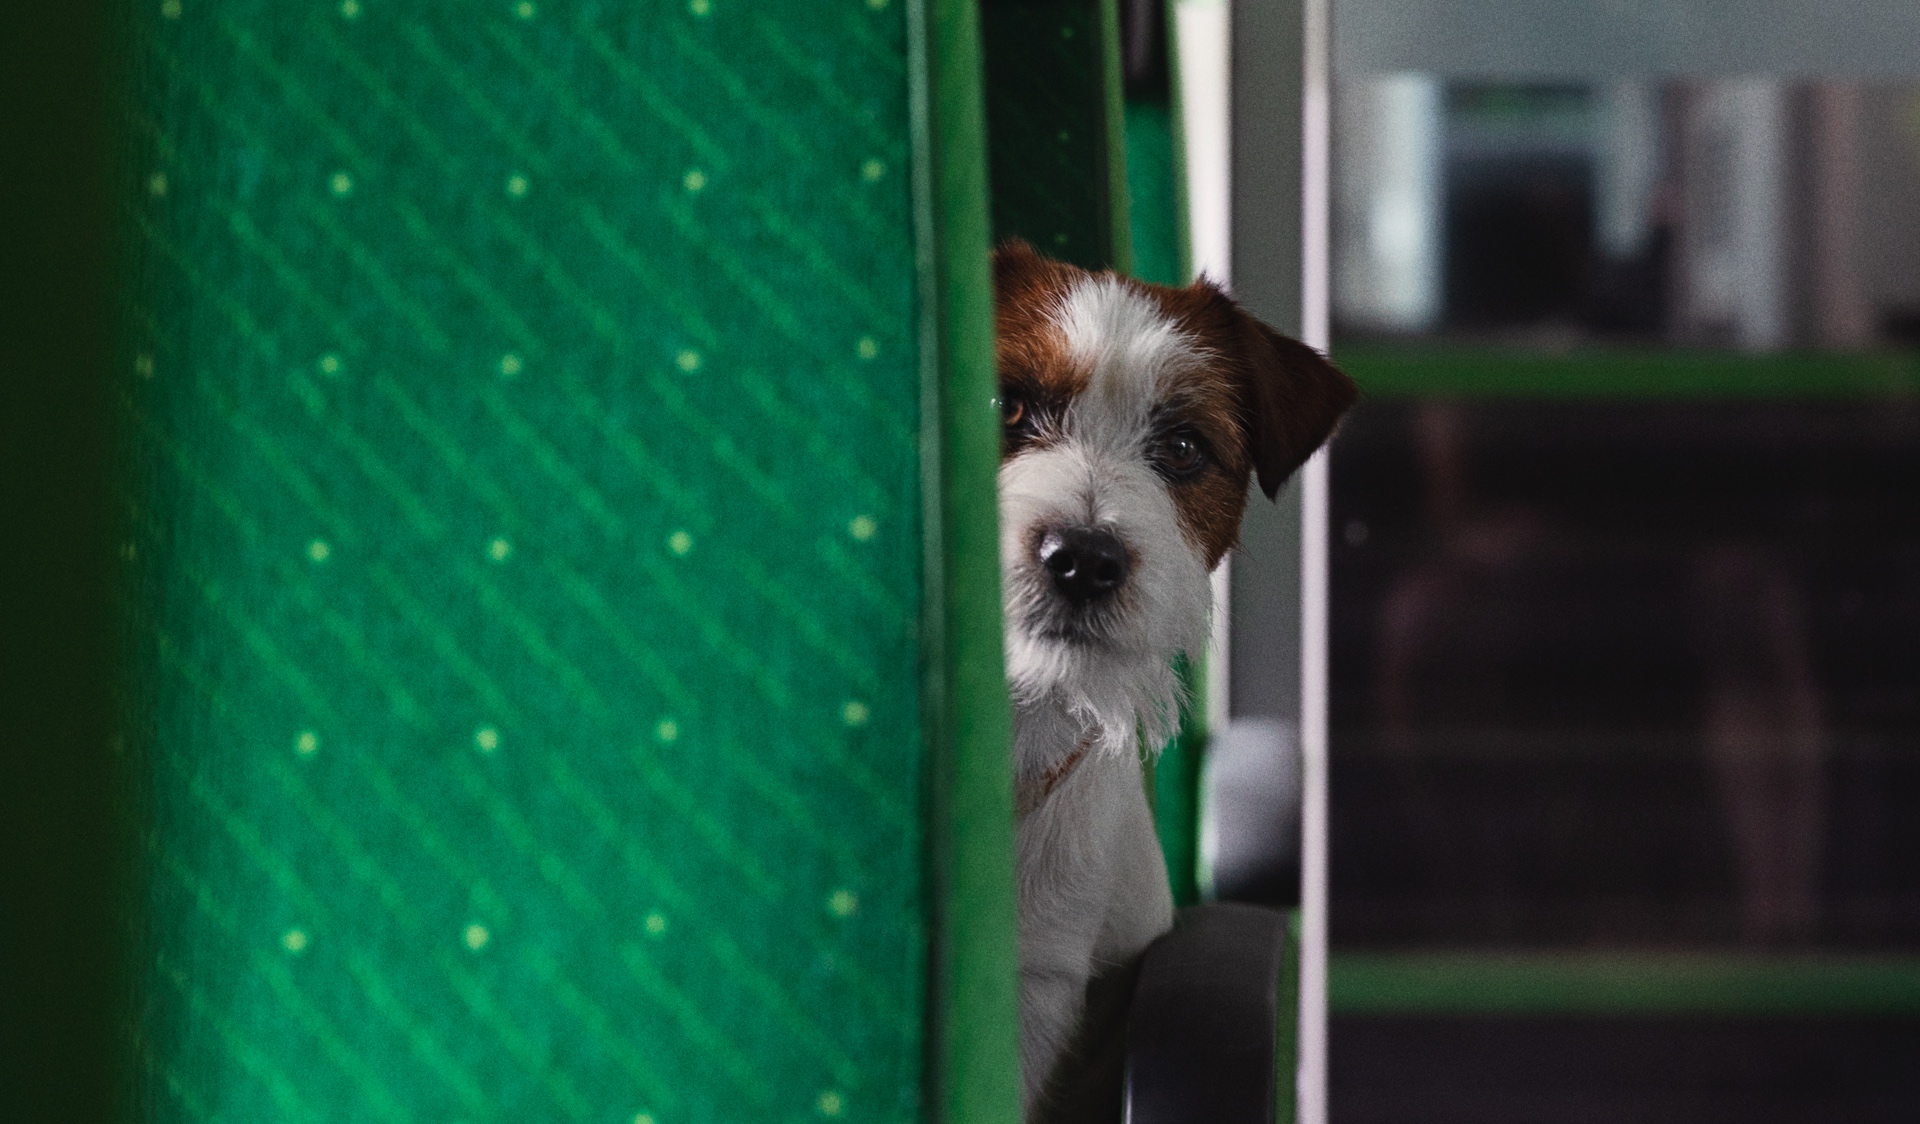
1086 564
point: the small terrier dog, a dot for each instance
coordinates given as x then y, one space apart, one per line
1133 416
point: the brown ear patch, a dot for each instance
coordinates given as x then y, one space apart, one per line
1290 398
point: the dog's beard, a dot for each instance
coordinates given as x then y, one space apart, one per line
1107 667
1112 694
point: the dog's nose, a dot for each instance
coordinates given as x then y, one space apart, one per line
1086 564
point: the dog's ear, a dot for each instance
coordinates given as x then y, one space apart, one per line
1011 248
1015 261
1292 398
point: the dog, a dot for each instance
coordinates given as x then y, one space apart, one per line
1133 417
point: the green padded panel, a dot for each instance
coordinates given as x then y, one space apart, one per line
526 562
1055 140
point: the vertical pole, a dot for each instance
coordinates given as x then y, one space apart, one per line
1265 248
1279 108
1315 329
1114 127
1206 91
973 1028
1265 251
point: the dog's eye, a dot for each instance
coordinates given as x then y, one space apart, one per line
1180 454
1014 413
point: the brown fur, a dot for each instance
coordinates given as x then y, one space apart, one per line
1029 353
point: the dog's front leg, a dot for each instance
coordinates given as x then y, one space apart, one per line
1058 928
1051 1000
1067 879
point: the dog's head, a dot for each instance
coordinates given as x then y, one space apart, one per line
1133 417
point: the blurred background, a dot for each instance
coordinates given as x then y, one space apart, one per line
1625 626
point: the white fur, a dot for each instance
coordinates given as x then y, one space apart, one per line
1092 886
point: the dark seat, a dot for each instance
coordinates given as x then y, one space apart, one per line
1210 1031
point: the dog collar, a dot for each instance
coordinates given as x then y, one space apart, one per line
1051 779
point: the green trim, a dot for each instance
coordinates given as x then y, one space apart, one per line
1620 983
1114 116
1286 1031
1389 371
1177 128
1174 789
973 1013
1152 204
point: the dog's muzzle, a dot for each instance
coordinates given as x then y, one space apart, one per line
1086 565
